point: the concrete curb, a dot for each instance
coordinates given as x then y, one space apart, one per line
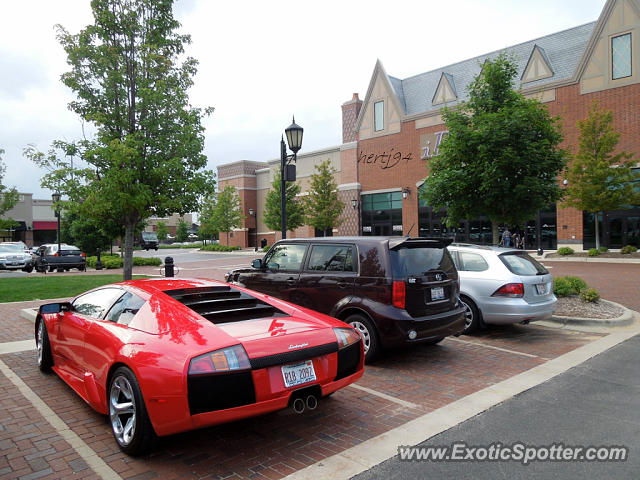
570 258
627 318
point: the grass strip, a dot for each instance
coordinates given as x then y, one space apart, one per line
58 286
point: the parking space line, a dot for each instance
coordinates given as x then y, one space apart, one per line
497 348
82 449
15 347
376 450
385 396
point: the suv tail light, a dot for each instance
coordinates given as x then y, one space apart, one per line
510 290
399 294
83 255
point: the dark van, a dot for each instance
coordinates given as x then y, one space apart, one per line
149 240
393 290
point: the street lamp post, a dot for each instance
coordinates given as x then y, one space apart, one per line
56 198
294 139
254 214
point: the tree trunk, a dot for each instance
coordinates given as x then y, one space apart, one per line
597 230
127 263
494 231
227 239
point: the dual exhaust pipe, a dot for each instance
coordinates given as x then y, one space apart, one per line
300 404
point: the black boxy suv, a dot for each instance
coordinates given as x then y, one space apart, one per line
393 290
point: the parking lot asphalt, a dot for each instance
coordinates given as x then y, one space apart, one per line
47 431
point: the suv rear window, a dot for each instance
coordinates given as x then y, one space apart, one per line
522 264
416 260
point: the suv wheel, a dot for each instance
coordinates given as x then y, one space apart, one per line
367 331
471 315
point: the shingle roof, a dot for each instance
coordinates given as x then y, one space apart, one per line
562 50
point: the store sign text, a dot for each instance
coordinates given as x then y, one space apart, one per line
430 144
384 160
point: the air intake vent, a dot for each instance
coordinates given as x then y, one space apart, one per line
224 304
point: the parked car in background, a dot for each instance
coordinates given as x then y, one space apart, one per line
502 285
149 240
49 258
14 257
162 356
392 290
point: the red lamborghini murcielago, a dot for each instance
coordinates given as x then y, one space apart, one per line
161 356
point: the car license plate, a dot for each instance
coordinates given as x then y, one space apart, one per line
541 288
437 293
298 374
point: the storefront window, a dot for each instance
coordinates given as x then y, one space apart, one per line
382 214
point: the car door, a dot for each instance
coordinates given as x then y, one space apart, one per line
328 277
73 326
280 271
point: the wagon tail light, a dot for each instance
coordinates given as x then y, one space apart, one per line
514 290
399 294
220 361
346 337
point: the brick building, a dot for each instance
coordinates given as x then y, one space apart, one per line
388 137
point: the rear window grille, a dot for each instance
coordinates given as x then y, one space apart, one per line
224 304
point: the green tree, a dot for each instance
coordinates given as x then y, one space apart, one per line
84 232
273 208
598 179
8 198
501 157
322 206
207 228
131 78
182 232
227 213
162 232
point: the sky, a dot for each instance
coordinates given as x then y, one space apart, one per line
260 63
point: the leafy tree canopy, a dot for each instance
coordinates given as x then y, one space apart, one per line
227 213
273 209
207 227
322 206
501 157
84 232
598 179
131 79
162 232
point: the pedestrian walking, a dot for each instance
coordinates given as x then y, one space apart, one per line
506 238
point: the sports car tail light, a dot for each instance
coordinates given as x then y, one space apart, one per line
514 290
225 360
399 294
346 337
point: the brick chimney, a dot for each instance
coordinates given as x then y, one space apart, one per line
350 112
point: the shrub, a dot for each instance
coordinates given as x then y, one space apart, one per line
589 295
219 248
593 252
604 249
628 249
565 251
110 262
567 286
141 261
266 248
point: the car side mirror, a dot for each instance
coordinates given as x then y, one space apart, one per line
257 264
49 308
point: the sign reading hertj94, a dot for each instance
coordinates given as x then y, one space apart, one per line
429 145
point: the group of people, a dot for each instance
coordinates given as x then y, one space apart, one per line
508 239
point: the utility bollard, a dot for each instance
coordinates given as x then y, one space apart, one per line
98 262
168 267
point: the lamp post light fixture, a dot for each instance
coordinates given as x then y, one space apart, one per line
355 205
287 171
254 214
56 198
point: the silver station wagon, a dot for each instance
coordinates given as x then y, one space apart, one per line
502 286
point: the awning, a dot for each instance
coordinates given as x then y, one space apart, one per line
45 225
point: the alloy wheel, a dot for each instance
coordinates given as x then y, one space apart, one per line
468 315
364 333
39 341
122 410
